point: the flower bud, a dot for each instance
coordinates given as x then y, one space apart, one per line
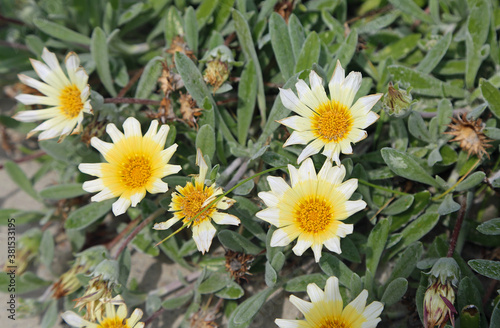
440 295
397 102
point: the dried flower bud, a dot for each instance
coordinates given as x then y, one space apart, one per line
97 289
440 295
216 73
397 102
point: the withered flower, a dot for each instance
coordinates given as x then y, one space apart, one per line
470 135
216 73
238 264
179 45
284 8
189 110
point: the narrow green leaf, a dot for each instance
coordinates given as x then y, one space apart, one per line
51 315
400 205
246 311
149 78
270 275
237 242
490 269
213 283
332 266
406 262
232 291
247 93
173 25
349 250
205 11
471 181
492 95
309 53
417 127
399 49
412 9
205 140
448 205
248 48
47 248
475 38
60 32
63 191
19 177
495 317
88 214
445 112
376 244
299 284
346 51
223 13
296 33
434 56
394 291
416 230
282 46
191 29
468 294
177 302
491 227
99 51
405 166
130 13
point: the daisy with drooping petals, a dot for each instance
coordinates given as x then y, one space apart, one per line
189 200
68 97
326 309
312 209
135 164
330 123
112 318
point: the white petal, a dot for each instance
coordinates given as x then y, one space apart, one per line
280 238
91 169
37 100
200 161
40 86
167 154
165 225
105 194
137 197
224 218
298 123
161 137
302 245
132 127
311 149
299 138
49 134
331 174
271 215
332 152
349 88
102 146
158 186
356 307
278 185
134 318
36 115
333 244
316 248
303 306
292 102
47 75
352 207
74 319
348 188
115 134
315 293
307 170
332 291
269 198
284 323
306 95
121 205
203 234
317 87
336 81
81 77
365 121
346 148
153 128
356 135
364 104
51 60
93 185
373 310
344 229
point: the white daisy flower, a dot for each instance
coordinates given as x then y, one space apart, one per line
135 164
330 123
189 200
67 96
312 209
326 309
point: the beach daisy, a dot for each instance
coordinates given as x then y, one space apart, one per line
326 309
135 164
332 123
67 96
189 200
312 209
111 318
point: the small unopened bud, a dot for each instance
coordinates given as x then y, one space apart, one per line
440 295
397 102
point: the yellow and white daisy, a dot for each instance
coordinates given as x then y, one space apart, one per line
191 199
67 96
312 209
326 309
112 318
135 164
330 123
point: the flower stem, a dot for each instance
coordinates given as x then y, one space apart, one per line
392 191
215 201
458 226
456 184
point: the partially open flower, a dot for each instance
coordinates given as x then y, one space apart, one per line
188 202
470 135
109 317
67 96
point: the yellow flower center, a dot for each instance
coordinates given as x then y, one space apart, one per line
313 215
332 121
333 323
71 101
136 171
191 203
113 323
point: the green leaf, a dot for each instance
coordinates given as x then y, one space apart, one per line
205 11
247 93
477 32
299 284
424 84
417 127
173 25
223 13
246 311
149 78
332 266
130 13
416 230
215 282
492 133
490 269
99 51
282 46
492 95
406 167
398 49
177 302
296 33
63 191
248 48
400 205
51 315
448 205
88 214
191 29
349 250
394 291
245 188
19 177
232 291
47 249
445 112
205 140
237 242
144 243
434 56
309 53
270 276
412 9
346 50
468 294
25 283
495 317
406 262
471 181
60 32
490 227
376 244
